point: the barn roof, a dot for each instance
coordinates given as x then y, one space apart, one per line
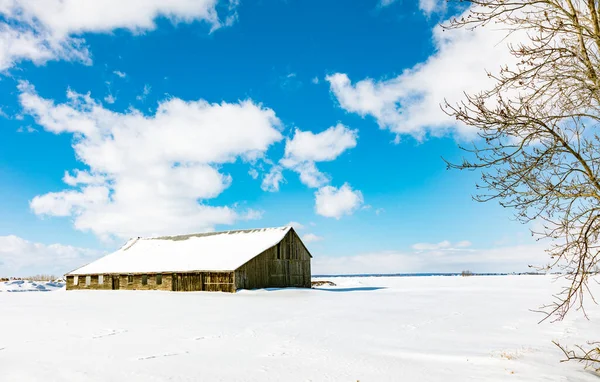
213 251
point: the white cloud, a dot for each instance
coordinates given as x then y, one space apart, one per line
385 3
334 203
501 259
426 6
119 73
253 173
410 102
23 43
463 244
297 226
431 246
290 81
311 238
252 215
430 6
309 174
83 177
147 174
145 92
442 245
110 99
20 257
315 80
272 179
232 16
327 145
306 148
26 129
48 30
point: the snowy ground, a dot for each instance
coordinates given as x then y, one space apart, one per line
30 286
367 329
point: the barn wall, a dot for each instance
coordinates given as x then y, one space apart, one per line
93 285
285 265
136 283
152 285
204 281
191 281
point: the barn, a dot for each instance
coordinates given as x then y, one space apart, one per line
216 261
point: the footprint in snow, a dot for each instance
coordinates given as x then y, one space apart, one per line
161 355
244 334
112 332
208 337
277 354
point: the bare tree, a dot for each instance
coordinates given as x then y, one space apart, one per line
540 149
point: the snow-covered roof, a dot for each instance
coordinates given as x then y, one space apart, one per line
215 251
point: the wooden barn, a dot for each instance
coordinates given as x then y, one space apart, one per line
216 261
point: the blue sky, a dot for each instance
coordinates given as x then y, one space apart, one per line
170 117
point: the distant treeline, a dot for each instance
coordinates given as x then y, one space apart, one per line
31 278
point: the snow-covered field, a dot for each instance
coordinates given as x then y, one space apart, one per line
30 286
367 329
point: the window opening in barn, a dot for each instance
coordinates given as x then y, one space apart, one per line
158 279
88 280
100 279
129 279
278 251
144 279
76 280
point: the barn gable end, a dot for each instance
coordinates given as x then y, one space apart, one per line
286 264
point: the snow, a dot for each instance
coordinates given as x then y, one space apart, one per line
367 329
30 286
224 251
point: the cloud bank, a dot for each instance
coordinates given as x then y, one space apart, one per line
409 104
20 257
497 260
150 175
45 30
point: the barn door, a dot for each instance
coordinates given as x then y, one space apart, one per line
115 282
297 273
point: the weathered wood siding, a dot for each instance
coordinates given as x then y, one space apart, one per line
285 265
122 283
180 282
219 282
204 281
